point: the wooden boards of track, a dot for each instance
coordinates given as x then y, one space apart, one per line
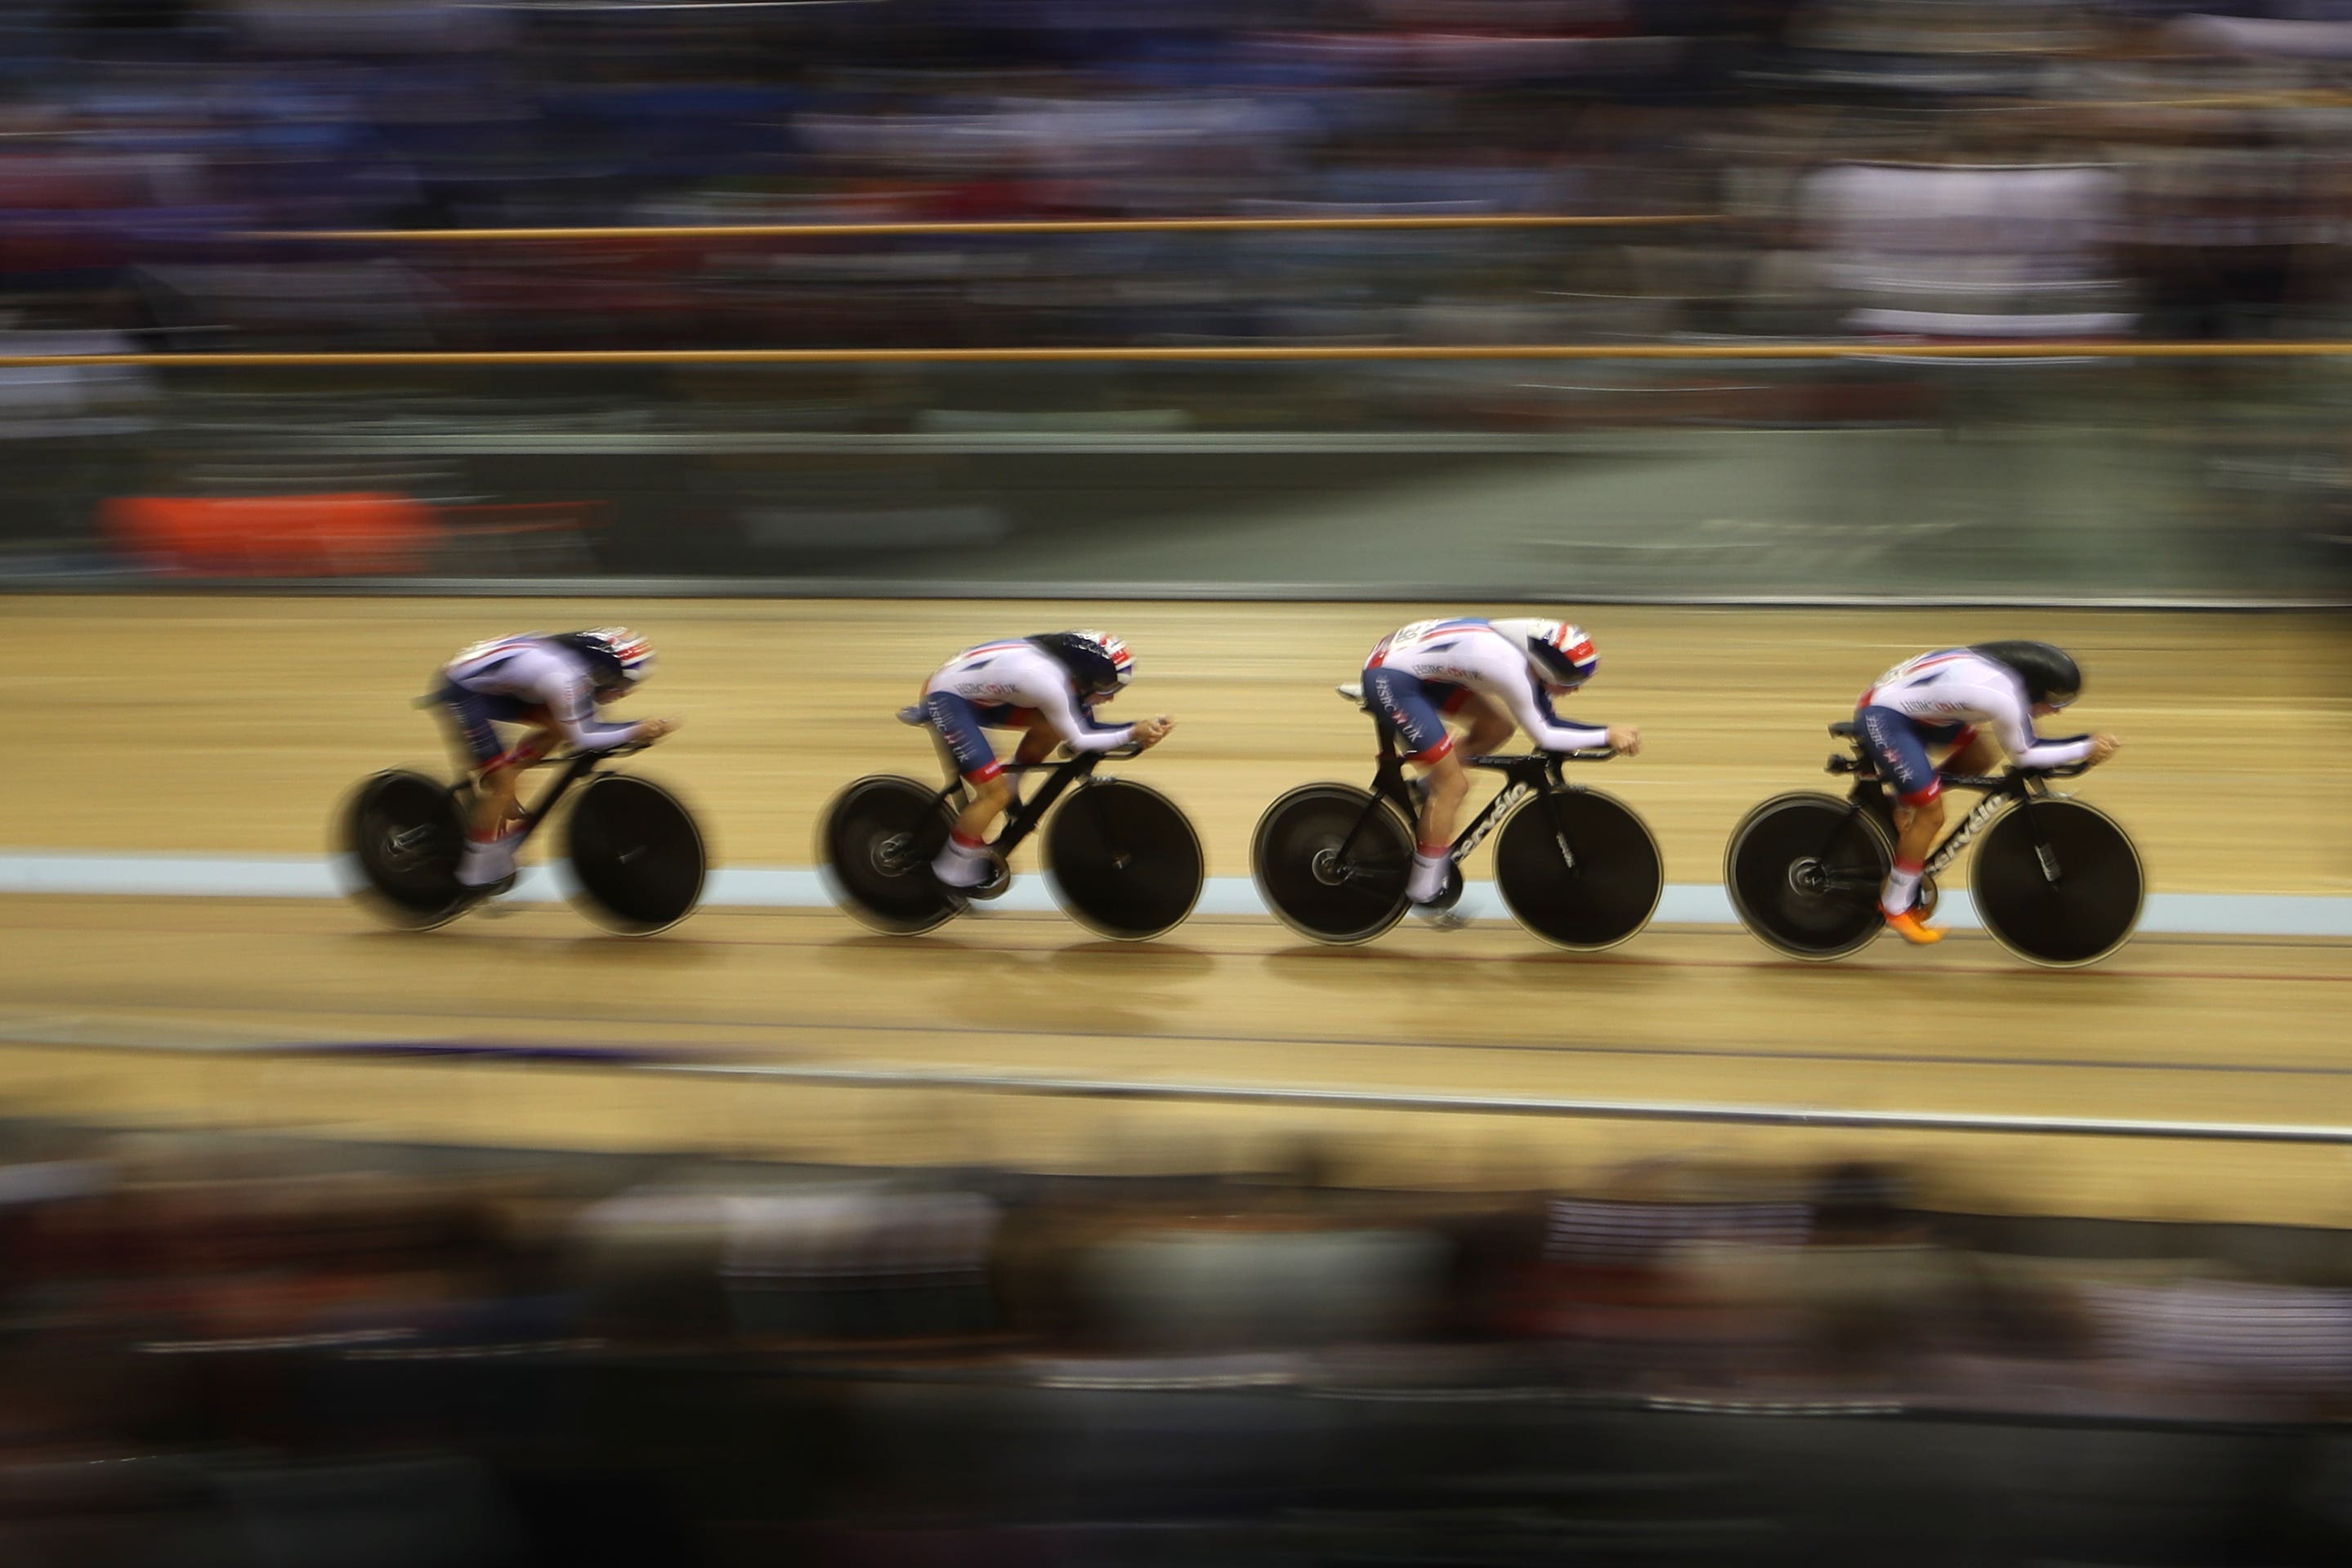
233 724
2174 1030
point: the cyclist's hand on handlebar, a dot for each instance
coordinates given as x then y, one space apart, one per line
1625 739
2103 747
652 729
1150 732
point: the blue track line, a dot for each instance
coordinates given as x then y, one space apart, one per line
799 887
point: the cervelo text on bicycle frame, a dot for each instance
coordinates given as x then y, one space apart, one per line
1490 819
1985 811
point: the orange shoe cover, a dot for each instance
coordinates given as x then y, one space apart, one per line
1912 929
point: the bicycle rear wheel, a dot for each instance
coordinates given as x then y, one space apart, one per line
1122 860
1803 871
636 853
2075 908
1296 857
875 846
405 832
1579 869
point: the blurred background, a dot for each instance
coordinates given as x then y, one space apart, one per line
1810 175
226 1346
235 1350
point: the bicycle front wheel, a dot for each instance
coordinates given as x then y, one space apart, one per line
1803 871
1122 860
1579 869
2057 881
1330 861
637 854
876 848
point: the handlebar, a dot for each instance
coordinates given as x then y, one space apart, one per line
1858 761
555 758
1065 753
1984 781
1502 759
2001 780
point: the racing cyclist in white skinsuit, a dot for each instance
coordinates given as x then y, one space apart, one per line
1499 675
1964 702
1046 686
551 683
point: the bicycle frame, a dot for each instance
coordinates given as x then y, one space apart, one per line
2002 791
1024 816
576 766
1526 776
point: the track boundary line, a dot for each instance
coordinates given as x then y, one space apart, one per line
1301 1097
1521 1105
802 887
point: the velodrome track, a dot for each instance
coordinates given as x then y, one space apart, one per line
198 745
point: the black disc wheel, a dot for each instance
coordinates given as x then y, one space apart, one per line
404 832
1579 869
1331 861
876 845
636 854
1122 860
1804 872
2057 881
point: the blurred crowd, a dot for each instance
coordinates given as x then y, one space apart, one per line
267 1350
1759 172
1803 167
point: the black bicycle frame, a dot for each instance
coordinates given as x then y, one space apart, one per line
2001 790
1023 819
576 766
1529 774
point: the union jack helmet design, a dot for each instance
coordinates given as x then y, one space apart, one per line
1562 653
620 657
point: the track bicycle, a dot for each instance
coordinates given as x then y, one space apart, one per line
1121 858
2055 881
1576 867
636 857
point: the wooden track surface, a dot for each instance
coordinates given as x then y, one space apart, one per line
2236 749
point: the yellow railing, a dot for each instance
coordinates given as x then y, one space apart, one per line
987 226
1302 353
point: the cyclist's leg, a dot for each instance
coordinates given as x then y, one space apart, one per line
960 862
1973 751
1038 736
1488 726
488 854
1038 739
1412 704
1484 730
1900 749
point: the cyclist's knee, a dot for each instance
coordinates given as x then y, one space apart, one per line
994 793
1926 815
1485 739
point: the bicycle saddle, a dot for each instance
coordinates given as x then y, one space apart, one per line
1846 727
913 713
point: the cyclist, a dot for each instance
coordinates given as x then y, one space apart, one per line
1046 686
1494 675
551 684
1962 702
